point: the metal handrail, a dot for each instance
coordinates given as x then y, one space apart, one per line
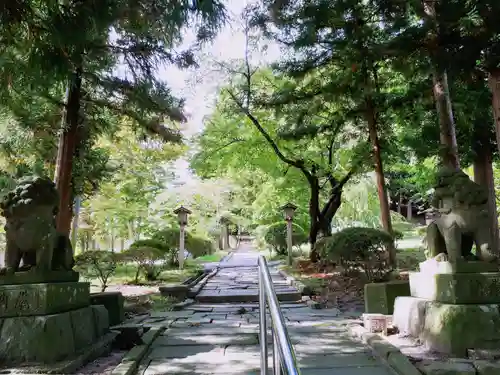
283 353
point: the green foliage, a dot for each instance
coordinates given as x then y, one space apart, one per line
151 260
276 234
196 245
358 248
98 264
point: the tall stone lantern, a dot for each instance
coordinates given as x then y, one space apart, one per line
289 211
182 214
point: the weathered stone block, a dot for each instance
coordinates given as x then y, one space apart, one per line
113 302
44 339
455 328
83 327
409 315
101 319
487 367
178 291
379 297
446 368
434 266
457 288
28 277
42 299
448 328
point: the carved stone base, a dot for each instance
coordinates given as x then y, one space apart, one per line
456 288
448 328
51 338
42 299
32 277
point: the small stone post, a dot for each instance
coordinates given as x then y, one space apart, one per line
224 233
182 213
289 210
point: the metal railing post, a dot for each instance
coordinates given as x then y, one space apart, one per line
276 356
262 325
284 361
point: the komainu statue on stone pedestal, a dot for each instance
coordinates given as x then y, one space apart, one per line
30 229
463 220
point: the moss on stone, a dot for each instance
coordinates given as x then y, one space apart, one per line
380 297
455 328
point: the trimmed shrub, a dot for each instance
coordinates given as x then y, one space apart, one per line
197 246
398 235
358 248
98 264
276 237
150 260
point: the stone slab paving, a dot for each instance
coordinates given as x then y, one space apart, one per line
237 280
223 338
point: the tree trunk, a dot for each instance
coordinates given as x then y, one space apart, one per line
385 213
483 175
494 84
441 90
76 217
446 123
66 151
321 220
409 212
314 214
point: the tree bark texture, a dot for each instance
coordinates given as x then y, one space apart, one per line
483 175
67 147
494 84
444 109
385 213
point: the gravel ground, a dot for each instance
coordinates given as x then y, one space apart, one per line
102 365
415 351
127 290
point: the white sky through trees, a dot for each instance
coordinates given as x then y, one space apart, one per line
199 86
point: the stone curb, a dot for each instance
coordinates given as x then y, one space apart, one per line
134 356
190 282
390 355
301 287
226 257
193 292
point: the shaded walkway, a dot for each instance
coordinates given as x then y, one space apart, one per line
222 338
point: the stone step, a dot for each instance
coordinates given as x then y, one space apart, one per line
244 295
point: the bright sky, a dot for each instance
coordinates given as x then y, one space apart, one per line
200 93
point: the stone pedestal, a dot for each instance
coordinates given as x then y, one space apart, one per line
113 302
452 308
43 298
448 328
44 323
380 297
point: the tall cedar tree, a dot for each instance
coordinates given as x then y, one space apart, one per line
460 39
79 47
342 40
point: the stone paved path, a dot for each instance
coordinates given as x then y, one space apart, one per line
238 280
222 338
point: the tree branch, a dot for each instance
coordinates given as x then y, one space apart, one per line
228 144
335 191
294 163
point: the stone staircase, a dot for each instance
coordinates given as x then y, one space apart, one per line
241 284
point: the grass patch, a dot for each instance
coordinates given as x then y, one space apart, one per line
215 257
125 274
161 303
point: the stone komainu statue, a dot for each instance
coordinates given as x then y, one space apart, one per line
462 221
30 229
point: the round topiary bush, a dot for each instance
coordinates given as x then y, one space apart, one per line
150 260
196 245
276 237
358 248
